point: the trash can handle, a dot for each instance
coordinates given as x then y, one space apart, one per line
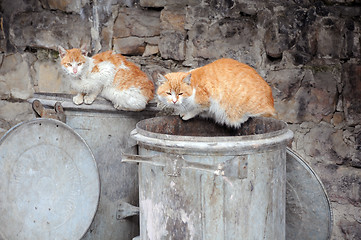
173 165
236 167
133 158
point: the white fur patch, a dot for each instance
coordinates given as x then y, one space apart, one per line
174 98
219 115
130 99
105 74
122 66
217 112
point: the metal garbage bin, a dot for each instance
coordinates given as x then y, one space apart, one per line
199 180
106 132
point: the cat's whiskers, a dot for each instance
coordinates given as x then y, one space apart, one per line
161 105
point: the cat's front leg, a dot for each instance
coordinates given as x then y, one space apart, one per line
78 99
188 115
90 98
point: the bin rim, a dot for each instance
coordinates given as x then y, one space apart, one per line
231 145
142 131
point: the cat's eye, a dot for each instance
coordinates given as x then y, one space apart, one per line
80 64
169 93
68 64
180 94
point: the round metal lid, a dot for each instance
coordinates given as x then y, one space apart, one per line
49 182
308 211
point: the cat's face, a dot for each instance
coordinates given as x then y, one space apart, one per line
72 61
175 89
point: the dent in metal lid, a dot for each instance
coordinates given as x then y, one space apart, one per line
308 211
49 182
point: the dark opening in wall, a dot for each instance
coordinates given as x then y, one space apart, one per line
275 59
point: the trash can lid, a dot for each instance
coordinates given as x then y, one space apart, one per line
49 182
308 210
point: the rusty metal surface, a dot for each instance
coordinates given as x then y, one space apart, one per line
56 113
308 209
214 185
49 182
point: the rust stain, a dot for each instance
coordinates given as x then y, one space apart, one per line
2 24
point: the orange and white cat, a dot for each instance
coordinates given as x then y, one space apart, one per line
226 90
109 75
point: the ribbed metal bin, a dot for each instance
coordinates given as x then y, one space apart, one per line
198 180
107 134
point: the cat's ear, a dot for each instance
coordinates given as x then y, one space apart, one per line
161 79
84 49
187 79
62 51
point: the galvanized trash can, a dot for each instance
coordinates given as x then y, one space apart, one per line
44 194
198 180
106 131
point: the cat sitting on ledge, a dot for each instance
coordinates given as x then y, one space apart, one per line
109 75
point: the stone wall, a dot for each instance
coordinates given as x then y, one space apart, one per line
307 50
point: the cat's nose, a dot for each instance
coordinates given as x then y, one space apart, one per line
75 70
174 101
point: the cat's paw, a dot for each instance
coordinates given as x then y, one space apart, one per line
89 99
118 107
186 116
78 99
